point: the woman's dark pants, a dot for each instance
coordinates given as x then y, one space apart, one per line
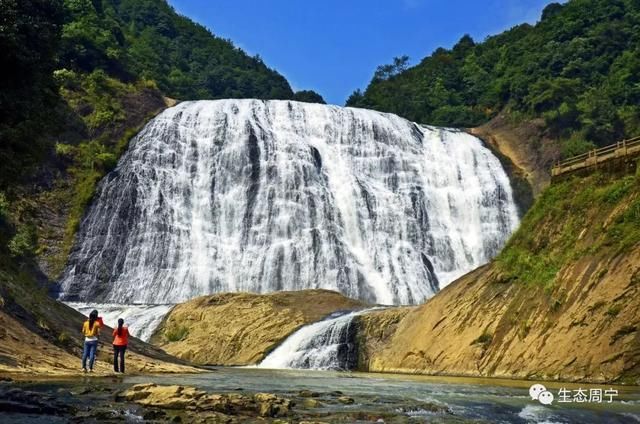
118 351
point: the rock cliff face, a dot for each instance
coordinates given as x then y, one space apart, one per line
241 328
531 153
562 301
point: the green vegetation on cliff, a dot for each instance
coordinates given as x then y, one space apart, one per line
555 232
578 69
123 41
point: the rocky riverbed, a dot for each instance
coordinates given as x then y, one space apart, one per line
105 402
239 395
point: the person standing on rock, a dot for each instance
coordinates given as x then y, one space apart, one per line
90 331
120 341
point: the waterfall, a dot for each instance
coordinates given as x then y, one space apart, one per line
325 345
262 196
142 320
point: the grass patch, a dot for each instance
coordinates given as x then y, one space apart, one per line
484 339
613 311
176 333
567 222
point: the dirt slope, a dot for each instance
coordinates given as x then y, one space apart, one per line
41 337
26 353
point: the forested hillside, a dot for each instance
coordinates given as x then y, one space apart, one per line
48 44
133 39
80 78
577 69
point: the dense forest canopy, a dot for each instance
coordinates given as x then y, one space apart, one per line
61 54
578 69
29 39
308 96
148 39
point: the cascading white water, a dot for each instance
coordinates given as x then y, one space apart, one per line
324 345
142 320
261 196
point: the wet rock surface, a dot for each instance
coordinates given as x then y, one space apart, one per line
13 400
113 402
177 403
198 403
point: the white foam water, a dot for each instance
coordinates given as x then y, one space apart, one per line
142 320
263 196
324 345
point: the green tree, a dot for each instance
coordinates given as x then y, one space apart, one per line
578 69
29 35
308 96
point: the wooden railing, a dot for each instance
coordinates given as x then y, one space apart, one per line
593 157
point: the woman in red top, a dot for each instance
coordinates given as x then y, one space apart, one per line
120 341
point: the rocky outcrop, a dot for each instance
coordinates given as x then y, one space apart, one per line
241 328
189 404
17 401
202 405
562 301
26 353
374 331
531 153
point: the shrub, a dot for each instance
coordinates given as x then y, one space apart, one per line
43 324
576 145
65 150
106 161
176 333
4 206
613 310
23 243
484 339
66 78
64 339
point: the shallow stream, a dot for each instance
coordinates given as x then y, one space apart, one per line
393 398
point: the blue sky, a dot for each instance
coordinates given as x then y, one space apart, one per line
334 46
